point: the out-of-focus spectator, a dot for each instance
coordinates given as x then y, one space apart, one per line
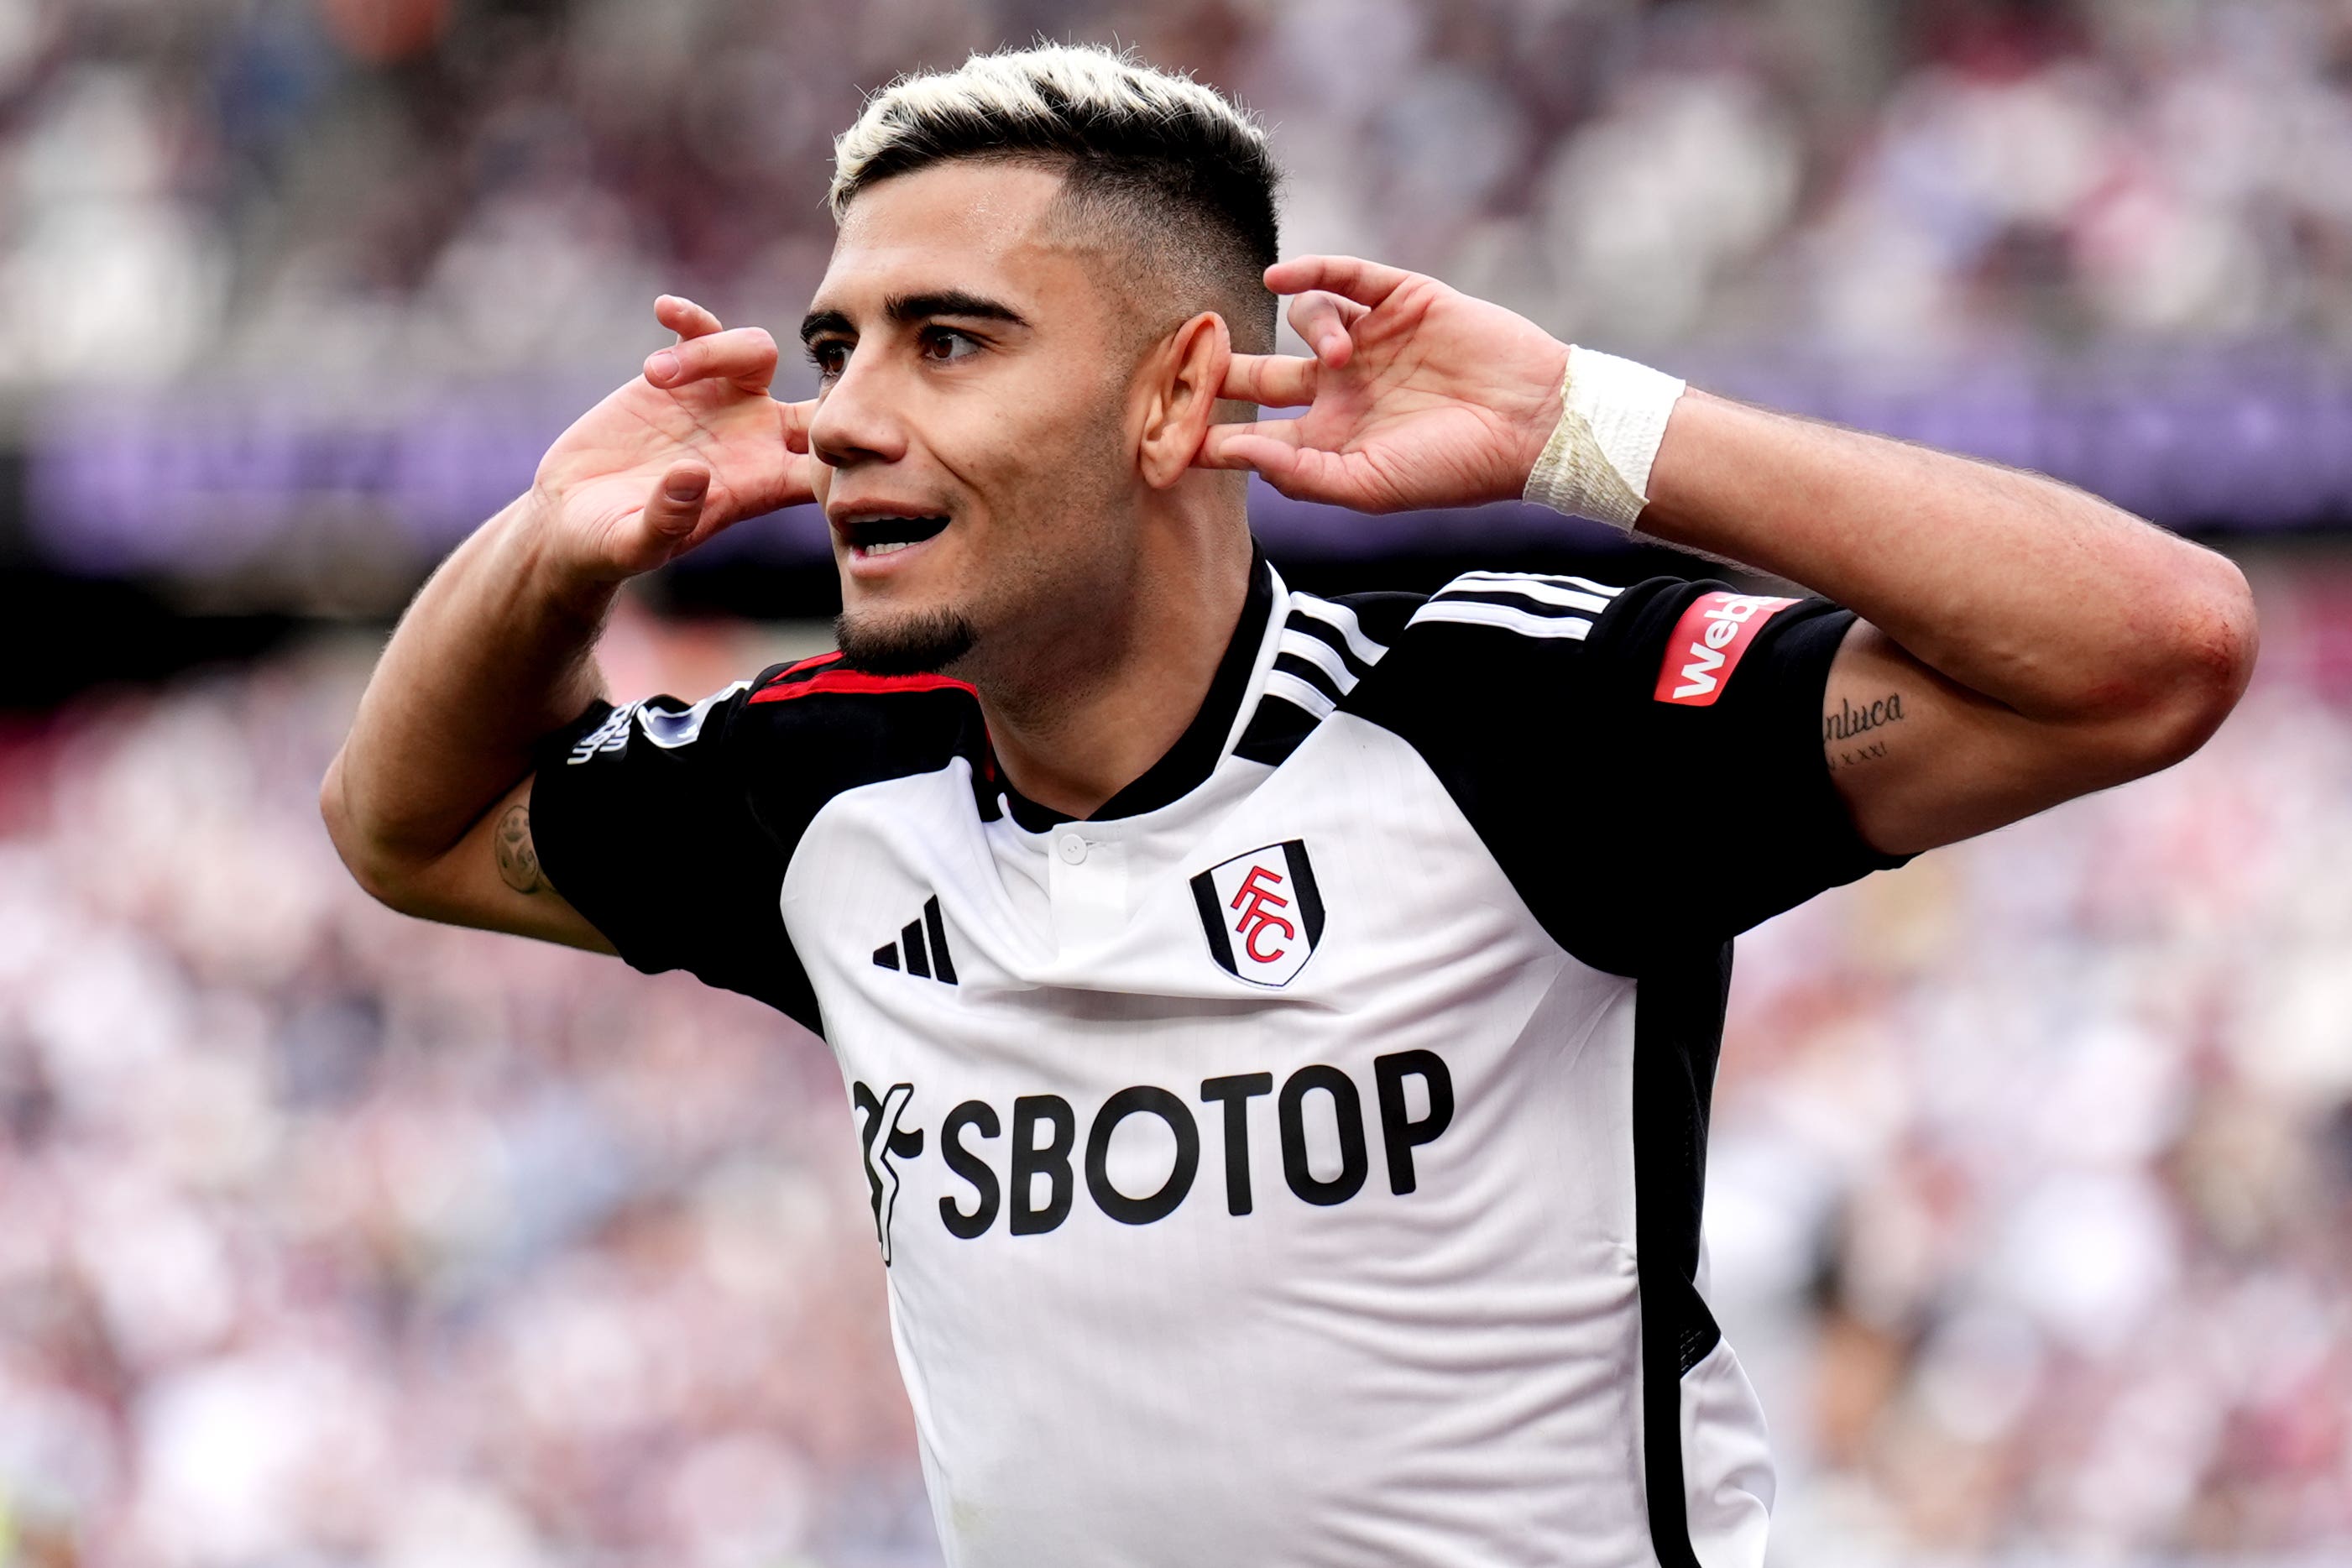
334 1238
363 189
337 1238
2032 1168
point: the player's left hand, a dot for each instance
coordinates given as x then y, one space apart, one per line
1417 395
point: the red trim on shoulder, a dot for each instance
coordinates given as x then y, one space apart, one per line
792 670
853 681
833 657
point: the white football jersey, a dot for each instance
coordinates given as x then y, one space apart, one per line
1298 1161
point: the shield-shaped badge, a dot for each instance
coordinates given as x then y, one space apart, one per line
1260 912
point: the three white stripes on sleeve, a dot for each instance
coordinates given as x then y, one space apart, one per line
1527 603
1523 602
1344 669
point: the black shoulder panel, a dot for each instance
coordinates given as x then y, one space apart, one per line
1383 615
1634 820
1280 725
671 827
811 731
1679 1015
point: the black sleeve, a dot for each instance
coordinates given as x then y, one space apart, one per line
643 821
1645 763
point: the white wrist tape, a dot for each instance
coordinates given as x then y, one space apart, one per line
1613 416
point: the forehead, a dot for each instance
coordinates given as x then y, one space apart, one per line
969 225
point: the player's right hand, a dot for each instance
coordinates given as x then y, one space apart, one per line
684 450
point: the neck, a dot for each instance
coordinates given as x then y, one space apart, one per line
1112 694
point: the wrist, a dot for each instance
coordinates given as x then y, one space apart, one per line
549 573
1543 417
1613 417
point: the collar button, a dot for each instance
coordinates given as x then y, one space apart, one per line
1071 847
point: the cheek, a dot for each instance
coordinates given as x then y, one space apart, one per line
1028 439
1081 419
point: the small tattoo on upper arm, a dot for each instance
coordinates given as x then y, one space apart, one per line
1850 724
517 856
1845 759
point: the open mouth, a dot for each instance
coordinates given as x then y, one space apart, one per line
876 536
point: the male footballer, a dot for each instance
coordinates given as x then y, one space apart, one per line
1279 1028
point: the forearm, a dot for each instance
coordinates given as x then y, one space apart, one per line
2030 593
496 651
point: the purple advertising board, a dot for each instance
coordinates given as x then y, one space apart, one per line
209 481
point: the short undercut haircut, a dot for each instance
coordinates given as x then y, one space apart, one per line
1174 171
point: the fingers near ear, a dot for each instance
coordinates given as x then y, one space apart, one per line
1365 282
683 317
746 356
793 418
1269 448
1276 380
1321 319
676 506
1184 402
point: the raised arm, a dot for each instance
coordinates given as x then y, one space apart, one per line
2023 642
428 800
2020 642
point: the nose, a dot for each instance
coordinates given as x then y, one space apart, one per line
858 420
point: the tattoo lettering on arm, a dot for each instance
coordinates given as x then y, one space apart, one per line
518 858
1844 732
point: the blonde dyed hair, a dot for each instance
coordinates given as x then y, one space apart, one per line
1177 171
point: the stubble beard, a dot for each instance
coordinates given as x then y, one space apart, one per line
1055 562
922 642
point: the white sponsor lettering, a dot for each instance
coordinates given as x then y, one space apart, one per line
1725 618
1698 676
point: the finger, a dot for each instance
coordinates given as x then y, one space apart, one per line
794 418
800 481
1277 381
1366 282
1321 319
676 506
683 317
1270 447
746 356
792 481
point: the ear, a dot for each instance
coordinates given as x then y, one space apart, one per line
1181 403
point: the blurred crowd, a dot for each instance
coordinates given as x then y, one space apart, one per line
350 191
2033 1172
336 1239
333 1239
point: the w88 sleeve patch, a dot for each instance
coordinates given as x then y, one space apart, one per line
1707 644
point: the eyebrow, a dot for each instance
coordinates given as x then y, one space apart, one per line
906 309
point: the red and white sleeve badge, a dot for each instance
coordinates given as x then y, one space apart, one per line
1707 644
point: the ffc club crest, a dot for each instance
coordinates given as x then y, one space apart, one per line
1260 912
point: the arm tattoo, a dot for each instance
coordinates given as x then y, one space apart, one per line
1843 732
518 858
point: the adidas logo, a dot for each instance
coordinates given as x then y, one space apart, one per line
921 949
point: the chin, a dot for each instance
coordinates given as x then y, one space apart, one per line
903 642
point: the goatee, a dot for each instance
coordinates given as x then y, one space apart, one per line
919 643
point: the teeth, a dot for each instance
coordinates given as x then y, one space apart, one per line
891 549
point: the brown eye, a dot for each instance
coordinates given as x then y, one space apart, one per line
945 345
